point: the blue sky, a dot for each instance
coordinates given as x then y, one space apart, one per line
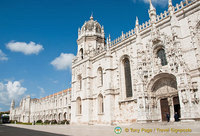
38 40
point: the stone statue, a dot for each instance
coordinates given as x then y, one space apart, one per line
184 97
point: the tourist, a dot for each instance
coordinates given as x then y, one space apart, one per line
168 117
176 117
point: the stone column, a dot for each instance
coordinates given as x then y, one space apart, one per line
110 92
143 104
159 110
109 107
87 113
171 108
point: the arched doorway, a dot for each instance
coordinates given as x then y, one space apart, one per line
164 91
51 117
47 117
55 118
65 116
59 117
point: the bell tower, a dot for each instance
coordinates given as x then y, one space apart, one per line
91 39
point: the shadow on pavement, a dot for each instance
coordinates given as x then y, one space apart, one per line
15 131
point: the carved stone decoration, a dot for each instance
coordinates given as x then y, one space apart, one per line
146 103
193 93
164 86
140 103
154 104
184 96
198 33
141 106
194 98
155 35
170 101
194 85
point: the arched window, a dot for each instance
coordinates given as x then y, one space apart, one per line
81 53
162 56
127 74
100 104
100 76
79 105
80 82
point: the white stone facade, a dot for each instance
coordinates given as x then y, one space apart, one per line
54 107
144 74
150 71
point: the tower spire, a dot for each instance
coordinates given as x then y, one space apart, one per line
170 7
170 2
12 106
152 12
137 31
91 17
137 25
151 5
136 22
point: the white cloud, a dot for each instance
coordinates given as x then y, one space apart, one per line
157 2
15 89
3 56
63 62
10 91
26 48
55 81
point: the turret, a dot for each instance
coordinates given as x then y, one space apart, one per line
152 13
175 27
170 7
12 105
138 38
137 31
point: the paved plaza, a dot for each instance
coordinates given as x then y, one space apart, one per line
150 129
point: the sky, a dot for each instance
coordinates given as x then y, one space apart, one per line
38 40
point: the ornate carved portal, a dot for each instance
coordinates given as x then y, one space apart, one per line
164 89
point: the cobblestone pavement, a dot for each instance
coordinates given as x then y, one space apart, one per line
149 129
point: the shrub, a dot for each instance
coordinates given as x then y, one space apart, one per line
65 121
59 122
53 122
24 123
13 121
47 122
39 121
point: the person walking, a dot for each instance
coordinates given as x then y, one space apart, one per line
168 117
176 117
